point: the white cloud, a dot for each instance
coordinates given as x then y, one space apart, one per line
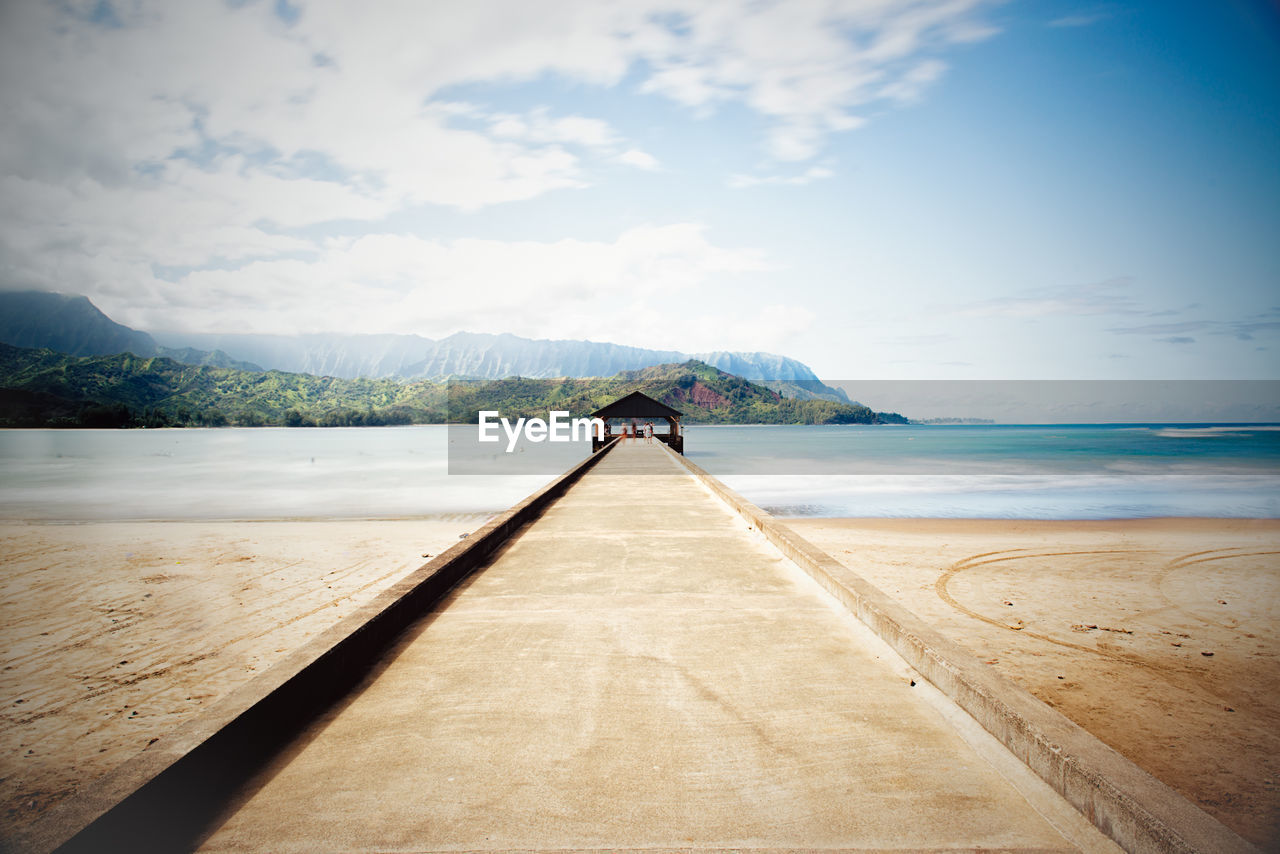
813 173
405 283
540 127
910 86
775 328
807 66
639 159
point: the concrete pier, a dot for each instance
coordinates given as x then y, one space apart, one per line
641 669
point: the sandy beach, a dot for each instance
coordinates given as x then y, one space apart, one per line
112 634
1161 636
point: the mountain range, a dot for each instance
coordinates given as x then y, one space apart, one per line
43 388
74 325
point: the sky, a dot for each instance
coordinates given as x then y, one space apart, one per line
882 189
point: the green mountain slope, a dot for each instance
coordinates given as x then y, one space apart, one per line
41 388
705 395
158 391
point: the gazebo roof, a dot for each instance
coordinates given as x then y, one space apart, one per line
636 405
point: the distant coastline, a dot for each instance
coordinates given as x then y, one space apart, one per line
952 421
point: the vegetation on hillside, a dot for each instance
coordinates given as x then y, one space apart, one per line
41 388
705 395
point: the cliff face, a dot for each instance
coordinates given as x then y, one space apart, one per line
68 324
492 356
757 366
700 395
469 354
73 325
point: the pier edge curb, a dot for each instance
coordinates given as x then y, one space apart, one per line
1125 802
172 785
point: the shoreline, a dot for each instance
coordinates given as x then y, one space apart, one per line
479 517
1079 612
935 521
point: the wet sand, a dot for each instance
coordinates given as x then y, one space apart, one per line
112 634
1161 637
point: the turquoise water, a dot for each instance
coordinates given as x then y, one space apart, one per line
1090 449
1087 471
1046 472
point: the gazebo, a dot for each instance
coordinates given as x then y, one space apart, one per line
639 407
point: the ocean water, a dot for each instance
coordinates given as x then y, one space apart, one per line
242 473
1037 472
1016 449
1077 471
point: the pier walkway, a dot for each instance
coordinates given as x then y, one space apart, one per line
638 669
